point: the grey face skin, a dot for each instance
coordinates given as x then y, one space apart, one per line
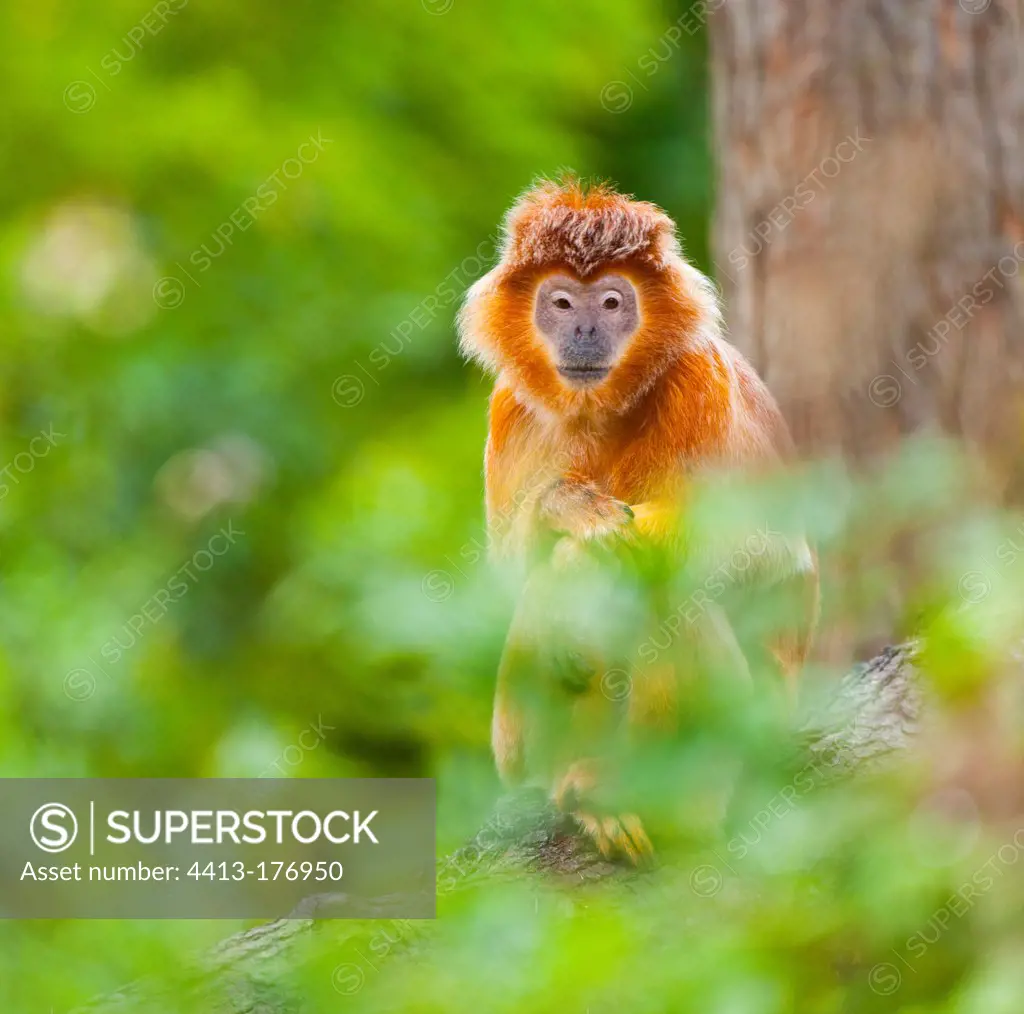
586 324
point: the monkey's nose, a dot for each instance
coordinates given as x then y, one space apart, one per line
588 333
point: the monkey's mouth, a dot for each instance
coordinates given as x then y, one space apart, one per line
584 376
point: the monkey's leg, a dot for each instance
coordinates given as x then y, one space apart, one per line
589 783
508 722
533 718
789 608
538 662
670 684
705 646
612 721
556 719
791 646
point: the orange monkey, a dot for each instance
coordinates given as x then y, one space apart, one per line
614 387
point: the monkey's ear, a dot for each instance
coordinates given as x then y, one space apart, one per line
475 335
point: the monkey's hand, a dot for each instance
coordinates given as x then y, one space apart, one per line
576 506
614 834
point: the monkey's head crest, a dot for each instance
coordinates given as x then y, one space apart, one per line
570 238
583 227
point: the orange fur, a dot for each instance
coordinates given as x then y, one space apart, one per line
680 399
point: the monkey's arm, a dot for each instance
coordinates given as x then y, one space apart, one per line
512 477
533 490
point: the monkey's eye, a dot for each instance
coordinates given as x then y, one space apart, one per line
562 302
612 301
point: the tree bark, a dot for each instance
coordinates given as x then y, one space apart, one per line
869 234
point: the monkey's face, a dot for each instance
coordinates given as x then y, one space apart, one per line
586 325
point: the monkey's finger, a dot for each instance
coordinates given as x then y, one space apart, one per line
642 851
618 836
619 841
592 827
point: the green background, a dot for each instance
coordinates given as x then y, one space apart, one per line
302 384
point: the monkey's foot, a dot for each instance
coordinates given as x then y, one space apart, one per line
615 836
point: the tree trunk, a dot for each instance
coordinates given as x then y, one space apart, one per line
870 223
